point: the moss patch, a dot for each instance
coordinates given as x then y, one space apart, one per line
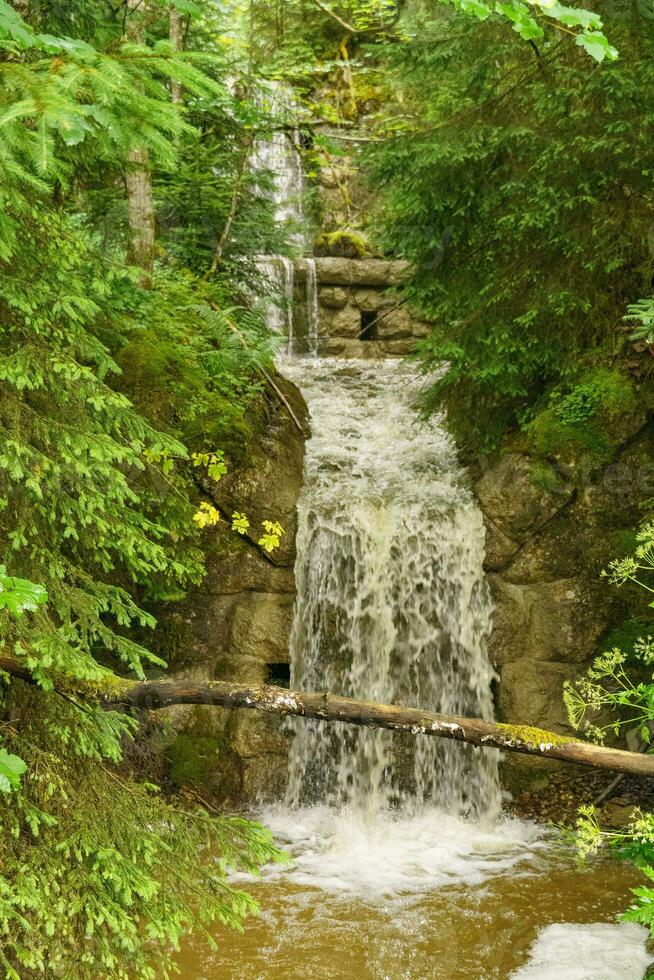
204 762
544 477
344 243
534 736
191 759
590 419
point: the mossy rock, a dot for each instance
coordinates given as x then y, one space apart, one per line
589 421
204 762
545 477
342 244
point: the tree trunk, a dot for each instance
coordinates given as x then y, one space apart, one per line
139 176
141 211
153 695
177 41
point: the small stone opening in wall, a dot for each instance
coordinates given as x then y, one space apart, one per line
278 674
368 325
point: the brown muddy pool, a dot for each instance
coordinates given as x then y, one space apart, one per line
428 897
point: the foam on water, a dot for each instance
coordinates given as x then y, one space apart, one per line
342 852
597 951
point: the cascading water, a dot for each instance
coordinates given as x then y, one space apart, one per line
277 155
392 604
279 273
312 305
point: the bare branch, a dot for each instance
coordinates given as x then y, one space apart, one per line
334 16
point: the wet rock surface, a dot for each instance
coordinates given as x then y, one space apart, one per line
557 799
236 625
551 530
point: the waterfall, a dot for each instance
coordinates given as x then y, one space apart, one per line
392 603
278 156
312 306
279 273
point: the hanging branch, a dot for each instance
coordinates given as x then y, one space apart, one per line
334 16
154 695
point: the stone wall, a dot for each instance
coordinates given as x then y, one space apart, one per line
551 530
359 311
236 626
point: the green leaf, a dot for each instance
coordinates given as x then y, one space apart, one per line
12 768
19 596
574 16
597 46
12 25
522 20
475 8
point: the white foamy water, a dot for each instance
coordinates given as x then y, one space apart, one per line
597 951
277 156
342 852
392 602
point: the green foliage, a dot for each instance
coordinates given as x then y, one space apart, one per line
18 595
625 635
93 108
642 314
108 388
608 684
617 695
192 360
105 878
585 418
515 182
527 21
272 535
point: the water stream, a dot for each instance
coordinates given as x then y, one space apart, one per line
403 866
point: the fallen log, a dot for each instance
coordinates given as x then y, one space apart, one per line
156 694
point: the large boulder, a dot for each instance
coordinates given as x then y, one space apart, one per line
550 533
516 497
531 692
542 621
